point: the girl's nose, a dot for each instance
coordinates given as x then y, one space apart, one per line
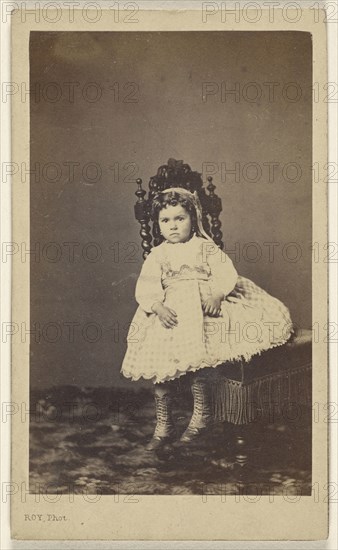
174 225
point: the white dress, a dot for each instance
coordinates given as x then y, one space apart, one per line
182 276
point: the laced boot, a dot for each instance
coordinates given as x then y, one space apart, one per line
165 430
202 413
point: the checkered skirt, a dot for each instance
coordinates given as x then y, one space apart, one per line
251 321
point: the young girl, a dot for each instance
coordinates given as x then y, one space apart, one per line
194 313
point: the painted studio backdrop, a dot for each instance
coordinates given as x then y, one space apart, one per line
108 108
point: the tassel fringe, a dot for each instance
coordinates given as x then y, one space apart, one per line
267 397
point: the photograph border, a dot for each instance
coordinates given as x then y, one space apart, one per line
177 517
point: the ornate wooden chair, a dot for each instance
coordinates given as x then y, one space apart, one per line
269 385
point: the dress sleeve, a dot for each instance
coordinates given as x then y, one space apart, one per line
223 273
149 286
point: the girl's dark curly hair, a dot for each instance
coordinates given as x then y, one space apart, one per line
171 198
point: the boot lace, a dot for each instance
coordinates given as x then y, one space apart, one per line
164 425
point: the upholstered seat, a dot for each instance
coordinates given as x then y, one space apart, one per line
245 392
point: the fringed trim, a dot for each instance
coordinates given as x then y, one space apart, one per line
269 396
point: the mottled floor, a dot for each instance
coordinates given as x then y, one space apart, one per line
91 441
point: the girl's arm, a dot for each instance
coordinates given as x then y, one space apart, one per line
149 288
223 273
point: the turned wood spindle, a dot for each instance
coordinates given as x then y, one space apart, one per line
142 215
215 208
155 187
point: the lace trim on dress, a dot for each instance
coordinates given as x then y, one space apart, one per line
168 272
192 368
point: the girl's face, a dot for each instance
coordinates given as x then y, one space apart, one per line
175 224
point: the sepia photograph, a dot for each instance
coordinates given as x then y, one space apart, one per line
169 330
170 264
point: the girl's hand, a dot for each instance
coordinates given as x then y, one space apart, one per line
212 306
166 315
